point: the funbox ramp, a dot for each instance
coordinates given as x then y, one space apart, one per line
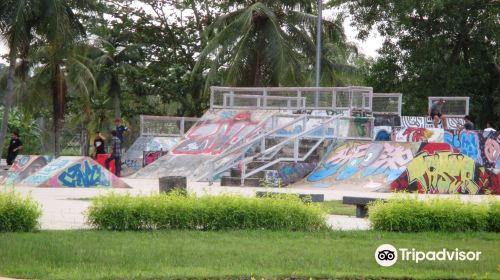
132 160
74 172
216 132
23 167
367 164
414 167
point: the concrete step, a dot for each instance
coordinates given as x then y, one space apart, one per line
227 181
235 172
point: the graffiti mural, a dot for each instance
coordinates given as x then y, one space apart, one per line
446 172
382 133
426 122
291 172
151 156
418 134
213 136
355 127
362 160
484 149
133 158
84 174
24 166
74 172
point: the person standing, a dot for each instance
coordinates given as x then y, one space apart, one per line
489 130
15 146
435 112
120 129
115 151
468 124
99 144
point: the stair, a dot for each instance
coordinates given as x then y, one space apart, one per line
234 178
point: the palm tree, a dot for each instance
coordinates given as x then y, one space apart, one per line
266 43
16 21
49 22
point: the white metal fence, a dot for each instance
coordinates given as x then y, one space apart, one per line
165 126
387 103
454 106
293 98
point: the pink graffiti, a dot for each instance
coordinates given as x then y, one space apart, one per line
492 150
211 137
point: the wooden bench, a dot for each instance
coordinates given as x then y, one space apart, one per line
360 202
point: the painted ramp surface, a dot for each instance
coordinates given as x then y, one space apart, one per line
23 167
362 164
446 171
82 172
216 132
134 157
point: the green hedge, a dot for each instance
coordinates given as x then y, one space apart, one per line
175 211
408 214
18 213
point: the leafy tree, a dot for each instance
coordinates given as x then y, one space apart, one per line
267 43
435 48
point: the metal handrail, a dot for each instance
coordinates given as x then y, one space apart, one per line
261 138
279 146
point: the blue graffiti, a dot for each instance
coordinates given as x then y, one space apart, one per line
466 142
383 135
90 176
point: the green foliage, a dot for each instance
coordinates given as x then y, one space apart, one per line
18 213
409 214
435 48
29 133
494 216
176 211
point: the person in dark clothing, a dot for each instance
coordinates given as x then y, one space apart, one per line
115 151
468 125
15 146
435 113
120 129
99 144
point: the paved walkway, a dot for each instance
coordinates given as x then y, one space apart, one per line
63 208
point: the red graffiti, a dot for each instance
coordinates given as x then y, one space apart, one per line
211 137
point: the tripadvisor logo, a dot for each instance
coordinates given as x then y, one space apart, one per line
387 255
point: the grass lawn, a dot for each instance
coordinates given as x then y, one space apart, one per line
188 254
335 207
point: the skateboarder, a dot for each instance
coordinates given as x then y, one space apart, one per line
115 151
435 112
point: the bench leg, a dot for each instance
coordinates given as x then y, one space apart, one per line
361 211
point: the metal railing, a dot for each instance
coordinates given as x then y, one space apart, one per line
309 98
454 106
387 103
263 102
270 153
232 156
164 126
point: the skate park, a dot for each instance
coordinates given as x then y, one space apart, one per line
334 143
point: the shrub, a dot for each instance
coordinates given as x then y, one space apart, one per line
408 214
176 211
494 216
18 213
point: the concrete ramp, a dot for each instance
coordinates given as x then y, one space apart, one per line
446 171
24 166
365 164
132 161
82 172
216 132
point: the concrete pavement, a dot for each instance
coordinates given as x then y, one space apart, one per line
63 208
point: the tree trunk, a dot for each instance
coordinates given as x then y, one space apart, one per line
7 100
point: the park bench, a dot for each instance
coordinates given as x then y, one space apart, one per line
360 202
